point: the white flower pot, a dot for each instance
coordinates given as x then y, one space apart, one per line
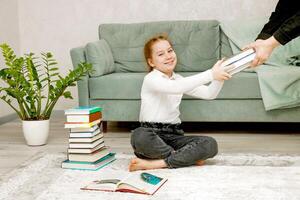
36 132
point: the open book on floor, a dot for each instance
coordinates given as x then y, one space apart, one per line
135 182
240 61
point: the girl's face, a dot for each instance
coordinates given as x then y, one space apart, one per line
163 57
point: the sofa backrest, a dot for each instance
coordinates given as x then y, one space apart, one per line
196 43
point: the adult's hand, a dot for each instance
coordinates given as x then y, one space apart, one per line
263 50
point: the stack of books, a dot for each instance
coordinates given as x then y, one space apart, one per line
86 145
240 61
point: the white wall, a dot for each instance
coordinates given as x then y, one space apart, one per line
9 33
59 25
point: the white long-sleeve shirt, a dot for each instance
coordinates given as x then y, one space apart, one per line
161 95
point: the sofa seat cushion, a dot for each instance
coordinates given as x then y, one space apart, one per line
116 86
243 85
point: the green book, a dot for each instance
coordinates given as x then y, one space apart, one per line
102 162
83 110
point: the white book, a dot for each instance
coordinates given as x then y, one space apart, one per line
91 157
85 134
240 61
83 110
81 125
87 150
84 130
84 118
242 64
86 145
86 139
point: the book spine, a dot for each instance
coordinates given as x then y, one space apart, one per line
86 145
85 135
237 57
84 118
77 111
85 140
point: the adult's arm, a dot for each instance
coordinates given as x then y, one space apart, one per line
284 23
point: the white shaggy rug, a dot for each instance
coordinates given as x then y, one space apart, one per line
227 176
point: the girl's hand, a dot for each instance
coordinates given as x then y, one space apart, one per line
219 72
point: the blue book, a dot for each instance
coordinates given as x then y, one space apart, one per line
83 110
102 162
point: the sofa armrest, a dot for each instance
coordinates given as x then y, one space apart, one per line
78 56
99 54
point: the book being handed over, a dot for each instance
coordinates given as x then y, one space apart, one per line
239 61
135 182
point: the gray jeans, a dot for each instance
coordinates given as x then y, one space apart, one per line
167 141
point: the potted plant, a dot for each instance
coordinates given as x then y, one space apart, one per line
33 88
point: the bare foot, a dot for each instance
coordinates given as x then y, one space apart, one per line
200 162
142 164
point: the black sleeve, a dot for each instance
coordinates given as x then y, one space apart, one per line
284 22
289 30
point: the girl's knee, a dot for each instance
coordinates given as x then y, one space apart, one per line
137 137
207 147
213 149
148 144
136 133
140 137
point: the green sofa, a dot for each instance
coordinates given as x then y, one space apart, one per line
119 65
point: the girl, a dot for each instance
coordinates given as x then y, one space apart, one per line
160 142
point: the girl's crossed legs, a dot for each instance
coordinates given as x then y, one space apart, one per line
168 147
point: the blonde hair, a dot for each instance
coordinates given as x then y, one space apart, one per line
148 47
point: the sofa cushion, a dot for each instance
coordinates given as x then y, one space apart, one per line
196 43
116 86
99 55
128 86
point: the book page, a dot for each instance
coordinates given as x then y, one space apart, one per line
237 57
242 64
107 182
135 180
102 185
124 187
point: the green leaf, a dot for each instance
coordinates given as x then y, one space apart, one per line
55 74
26 78
67 95
53 69
53 63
